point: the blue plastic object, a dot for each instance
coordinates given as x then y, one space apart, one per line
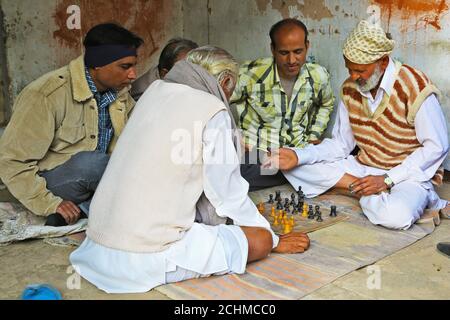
41 292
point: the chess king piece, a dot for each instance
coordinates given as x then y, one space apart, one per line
299 191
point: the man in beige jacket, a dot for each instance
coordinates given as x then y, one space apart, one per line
66 123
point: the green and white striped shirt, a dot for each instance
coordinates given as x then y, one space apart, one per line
264 113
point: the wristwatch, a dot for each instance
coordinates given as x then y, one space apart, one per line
388 181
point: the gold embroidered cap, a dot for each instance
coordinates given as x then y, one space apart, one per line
367 43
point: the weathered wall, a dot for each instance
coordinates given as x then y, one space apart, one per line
3 74
38 39
420 28
195 20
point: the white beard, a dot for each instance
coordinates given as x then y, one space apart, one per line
373 81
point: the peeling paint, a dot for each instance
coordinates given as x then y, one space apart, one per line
312 9
427 12
145 18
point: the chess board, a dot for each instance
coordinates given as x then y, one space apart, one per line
298 221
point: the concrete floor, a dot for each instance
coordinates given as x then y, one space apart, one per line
416 272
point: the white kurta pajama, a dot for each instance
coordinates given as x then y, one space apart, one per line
322 166
204 250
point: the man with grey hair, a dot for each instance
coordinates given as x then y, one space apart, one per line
178 148
391 112
175 50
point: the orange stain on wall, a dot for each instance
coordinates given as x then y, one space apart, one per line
143 17
428 11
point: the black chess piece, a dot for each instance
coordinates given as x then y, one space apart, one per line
292 199
295 210
287 210
319 217
310 212
333 212
300 206
279 204
286 202
270 199
277 195
300 192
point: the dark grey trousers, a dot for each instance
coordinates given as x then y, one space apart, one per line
77 179
256 177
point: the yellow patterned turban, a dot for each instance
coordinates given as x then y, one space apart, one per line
367 44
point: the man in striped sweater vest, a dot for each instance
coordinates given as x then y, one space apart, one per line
391 113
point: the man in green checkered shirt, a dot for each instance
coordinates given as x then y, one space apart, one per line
281 101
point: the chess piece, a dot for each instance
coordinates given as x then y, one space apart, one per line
292 221
292 203
275 222
287 228
295 210
270 199
279 205
310 212
261 208
333 212
277 195
300 193
319 217
305 210
317 211
288 210
286 202
272 212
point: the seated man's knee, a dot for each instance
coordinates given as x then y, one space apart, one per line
260 242
91 164
396 215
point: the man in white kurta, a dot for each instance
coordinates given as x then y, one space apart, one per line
393 196
141 231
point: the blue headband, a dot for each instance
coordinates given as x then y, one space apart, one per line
103 55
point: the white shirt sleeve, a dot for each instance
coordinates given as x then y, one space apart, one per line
338 147
222 181
431 132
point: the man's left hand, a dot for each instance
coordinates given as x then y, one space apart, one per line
368 186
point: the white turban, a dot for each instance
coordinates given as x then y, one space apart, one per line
367 44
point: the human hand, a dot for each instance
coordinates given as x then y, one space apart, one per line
283 159
69 211
368 186
294 242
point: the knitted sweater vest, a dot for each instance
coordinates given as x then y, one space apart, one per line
386 137
146 199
